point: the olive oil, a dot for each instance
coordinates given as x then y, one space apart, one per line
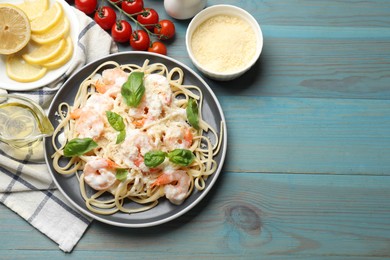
17 122
22 122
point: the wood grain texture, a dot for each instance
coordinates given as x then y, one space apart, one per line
329 49
307 172
307 135
246 215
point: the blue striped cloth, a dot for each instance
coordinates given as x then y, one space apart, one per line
26 186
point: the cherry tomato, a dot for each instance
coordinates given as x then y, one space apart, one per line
105 17
121 31
165 29
140 40
132 6
148 17
86 6
158 47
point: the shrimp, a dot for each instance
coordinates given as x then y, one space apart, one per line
90 118
89 124
158 85
131 151
99 173
158 94
100 103
178 136
177 185
111 81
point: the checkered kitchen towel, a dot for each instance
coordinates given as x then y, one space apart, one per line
26 186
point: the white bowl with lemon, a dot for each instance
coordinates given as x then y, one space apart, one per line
50 27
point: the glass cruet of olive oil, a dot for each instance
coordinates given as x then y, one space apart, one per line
22 121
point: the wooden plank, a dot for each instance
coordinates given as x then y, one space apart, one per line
307 135
325 66
270 216
318 49
353 13
312 49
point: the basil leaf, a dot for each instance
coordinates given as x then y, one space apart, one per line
193 113
121 174
121 136
115 120
133 89
79 146
154 158
181 157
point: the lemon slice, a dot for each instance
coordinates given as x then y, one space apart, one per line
63 58
15 29
47 19
59 31
21 71
34 8
44 53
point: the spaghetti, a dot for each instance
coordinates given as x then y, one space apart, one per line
135 134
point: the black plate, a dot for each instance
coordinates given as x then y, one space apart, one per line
164 211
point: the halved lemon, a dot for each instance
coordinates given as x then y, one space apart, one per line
15 30
19 70
43 53
34 8
63 58
47 19
59 31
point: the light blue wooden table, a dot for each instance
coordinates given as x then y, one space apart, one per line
307 173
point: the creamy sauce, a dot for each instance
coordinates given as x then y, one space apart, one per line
157 104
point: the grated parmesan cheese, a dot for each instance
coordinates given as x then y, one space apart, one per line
224 43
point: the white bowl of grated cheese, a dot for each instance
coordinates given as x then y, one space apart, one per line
224 41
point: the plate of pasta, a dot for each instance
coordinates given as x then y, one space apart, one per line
139 139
